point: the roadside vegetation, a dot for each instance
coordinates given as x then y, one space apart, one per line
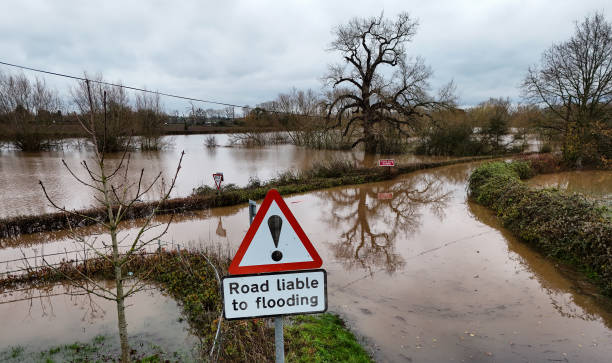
566 226
190 278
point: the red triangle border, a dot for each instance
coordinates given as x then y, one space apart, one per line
273 195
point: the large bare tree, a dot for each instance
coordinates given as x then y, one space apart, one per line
574 82
379 85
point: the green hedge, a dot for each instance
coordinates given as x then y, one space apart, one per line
566 226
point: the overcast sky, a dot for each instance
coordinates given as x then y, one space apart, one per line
246 52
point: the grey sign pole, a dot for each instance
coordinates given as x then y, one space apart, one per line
252 210
279 339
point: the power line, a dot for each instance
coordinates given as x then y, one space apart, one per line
142 89
118 85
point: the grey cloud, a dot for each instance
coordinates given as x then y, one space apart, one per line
246 52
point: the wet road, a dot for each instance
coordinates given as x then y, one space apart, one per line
423 276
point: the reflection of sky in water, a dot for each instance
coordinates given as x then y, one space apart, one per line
20 172
51 318
424 265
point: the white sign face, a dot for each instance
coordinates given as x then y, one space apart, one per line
281 293
262 246
218 179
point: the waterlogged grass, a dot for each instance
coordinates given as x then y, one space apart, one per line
566 226
322 338
189 278
316 338
99 349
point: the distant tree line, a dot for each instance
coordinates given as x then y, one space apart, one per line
33 117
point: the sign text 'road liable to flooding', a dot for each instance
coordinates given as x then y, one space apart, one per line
272 294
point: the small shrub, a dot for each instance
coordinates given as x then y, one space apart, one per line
210 141
522 168
254 182
286 177
331 169
203 190
543 163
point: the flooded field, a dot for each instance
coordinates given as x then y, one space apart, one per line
421 274
46 317
20 193
596 183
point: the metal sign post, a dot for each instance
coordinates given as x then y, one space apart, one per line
279 336
275 272
389 163
279 340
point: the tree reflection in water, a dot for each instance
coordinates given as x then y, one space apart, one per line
371 225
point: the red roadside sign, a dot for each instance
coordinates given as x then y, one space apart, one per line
274 242
386 162
218 177
388 195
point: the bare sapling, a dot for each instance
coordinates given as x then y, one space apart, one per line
117 194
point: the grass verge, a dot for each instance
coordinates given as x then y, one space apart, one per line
322 338
99 349
568 227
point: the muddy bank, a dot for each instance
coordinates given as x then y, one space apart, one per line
15 226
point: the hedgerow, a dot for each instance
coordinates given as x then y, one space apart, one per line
566 226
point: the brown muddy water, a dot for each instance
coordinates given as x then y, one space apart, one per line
596 183
423 276
52 316
20 193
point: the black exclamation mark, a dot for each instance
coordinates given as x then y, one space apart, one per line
275 224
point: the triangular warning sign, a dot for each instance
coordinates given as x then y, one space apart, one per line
274 242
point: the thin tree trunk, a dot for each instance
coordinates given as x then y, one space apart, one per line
122 323
120 298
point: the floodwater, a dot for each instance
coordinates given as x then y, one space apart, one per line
51 316
596 183
21 194
423 276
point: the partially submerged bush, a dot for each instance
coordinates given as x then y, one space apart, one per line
210 141
257 139
319 138
544 163
456 139
567 226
